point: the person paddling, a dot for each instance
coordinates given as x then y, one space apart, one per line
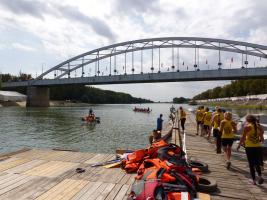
253 134
226 127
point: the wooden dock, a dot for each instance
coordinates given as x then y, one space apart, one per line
49 174
233 183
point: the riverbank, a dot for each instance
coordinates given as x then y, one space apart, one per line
52 104
234 104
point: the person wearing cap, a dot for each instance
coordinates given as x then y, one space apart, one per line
182 117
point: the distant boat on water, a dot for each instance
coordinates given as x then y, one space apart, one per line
192 103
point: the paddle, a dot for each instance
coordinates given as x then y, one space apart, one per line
105 163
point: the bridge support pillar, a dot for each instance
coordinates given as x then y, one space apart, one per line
38 96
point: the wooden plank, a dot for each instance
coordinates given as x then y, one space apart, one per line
50 194
74 191
41 188
105 192
70 191
16 184
98 191
83 191
203 196
122 192
90 191
14 152
125 178
26 166
67 169
53 155
114 192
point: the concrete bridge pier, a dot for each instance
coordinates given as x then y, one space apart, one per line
38 96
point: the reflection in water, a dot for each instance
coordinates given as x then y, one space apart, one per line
62 128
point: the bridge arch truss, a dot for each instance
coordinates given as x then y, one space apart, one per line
110 51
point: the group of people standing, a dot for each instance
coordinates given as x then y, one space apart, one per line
224 128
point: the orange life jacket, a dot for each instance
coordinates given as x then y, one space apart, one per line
151 151
133 160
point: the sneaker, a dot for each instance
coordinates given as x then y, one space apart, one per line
208 138
228 164
261 180
197 134
252 182
201 135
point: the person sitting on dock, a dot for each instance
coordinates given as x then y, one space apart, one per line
216 120
182 117
199 116
159 122
206 121
226 127
253 134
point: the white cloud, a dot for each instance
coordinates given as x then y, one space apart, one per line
66 28
27 48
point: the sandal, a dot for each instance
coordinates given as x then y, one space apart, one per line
261 180
80 170
252 182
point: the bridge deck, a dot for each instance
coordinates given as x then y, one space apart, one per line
232 183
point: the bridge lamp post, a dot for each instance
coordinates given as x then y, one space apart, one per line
36 72
42 68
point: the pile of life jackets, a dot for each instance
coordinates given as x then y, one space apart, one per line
162 173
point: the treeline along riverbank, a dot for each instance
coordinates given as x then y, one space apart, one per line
235 89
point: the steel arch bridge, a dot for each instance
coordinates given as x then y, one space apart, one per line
114 50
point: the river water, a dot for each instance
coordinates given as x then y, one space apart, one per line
62 128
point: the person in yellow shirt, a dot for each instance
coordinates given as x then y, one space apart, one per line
182 117
199 116
216 121
228 128
206 121
253 134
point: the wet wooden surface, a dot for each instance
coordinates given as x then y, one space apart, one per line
232 183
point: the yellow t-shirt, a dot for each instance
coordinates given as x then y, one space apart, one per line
228 130
218 121
252 139
207 118
199 115
182 113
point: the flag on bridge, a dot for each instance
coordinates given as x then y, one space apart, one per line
187 67
9 80
75 73
183 63
102 73
168 69
26 78
232 59
88 74
117 72
161 64
123 67
206 61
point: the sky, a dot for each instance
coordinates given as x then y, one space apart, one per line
36 34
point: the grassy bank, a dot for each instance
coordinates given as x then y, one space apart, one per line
238 106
